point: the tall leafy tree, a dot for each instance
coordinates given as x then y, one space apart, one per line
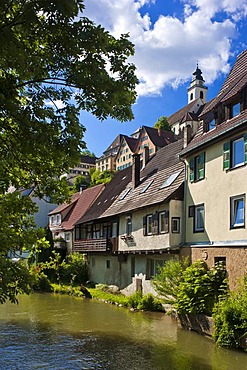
101 177
162 123
53 63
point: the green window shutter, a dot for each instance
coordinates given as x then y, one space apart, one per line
145 225
245 148
192 165
191 212
201 169
226 155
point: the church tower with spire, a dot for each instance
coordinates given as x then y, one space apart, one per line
197 88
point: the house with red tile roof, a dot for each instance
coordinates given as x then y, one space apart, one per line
62 219
125 152
107 161
216 172
135 225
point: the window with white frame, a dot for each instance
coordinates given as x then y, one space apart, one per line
199 218
163 222
237 204
235 153
149 224
176 225
197 212
197 168
58 219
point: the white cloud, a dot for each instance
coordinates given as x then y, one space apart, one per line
167 51
58 104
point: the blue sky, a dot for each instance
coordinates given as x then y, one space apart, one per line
170 38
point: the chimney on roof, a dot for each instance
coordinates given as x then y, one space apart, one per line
159 131
136 170
187 135
145 156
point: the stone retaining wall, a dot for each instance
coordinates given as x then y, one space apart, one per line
200 323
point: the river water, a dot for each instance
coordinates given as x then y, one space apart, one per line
46 331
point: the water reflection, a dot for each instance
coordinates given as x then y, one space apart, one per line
61 332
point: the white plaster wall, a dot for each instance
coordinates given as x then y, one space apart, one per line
140 241
99 273
120 273
176 210
41 218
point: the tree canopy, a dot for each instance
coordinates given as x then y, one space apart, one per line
101 177
162 123
53 63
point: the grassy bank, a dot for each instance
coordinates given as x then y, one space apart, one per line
136 301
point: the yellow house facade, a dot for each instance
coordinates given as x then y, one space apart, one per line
216 173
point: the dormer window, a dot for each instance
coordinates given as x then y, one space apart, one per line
235 110
211 125
58 219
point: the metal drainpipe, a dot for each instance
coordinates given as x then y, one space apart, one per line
184 207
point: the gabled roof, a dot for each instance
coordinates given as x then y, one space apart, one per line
181 113
202 138
189 116
115 144
108 196
159 169
84 201
160 137
234 83
131 143
64 206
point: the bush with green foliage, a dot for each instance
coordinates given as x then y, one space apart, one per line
40 281
134 299
145 302
230 318
167 281
196 294
71 271
191 289
74 270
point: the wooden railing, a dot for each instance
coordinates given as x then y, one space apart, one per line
90 245
95 245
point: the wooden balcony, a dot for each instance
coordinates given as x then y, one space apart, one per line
90 245
95 245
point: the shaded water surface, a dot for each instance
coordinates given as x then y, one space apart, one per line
48 331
